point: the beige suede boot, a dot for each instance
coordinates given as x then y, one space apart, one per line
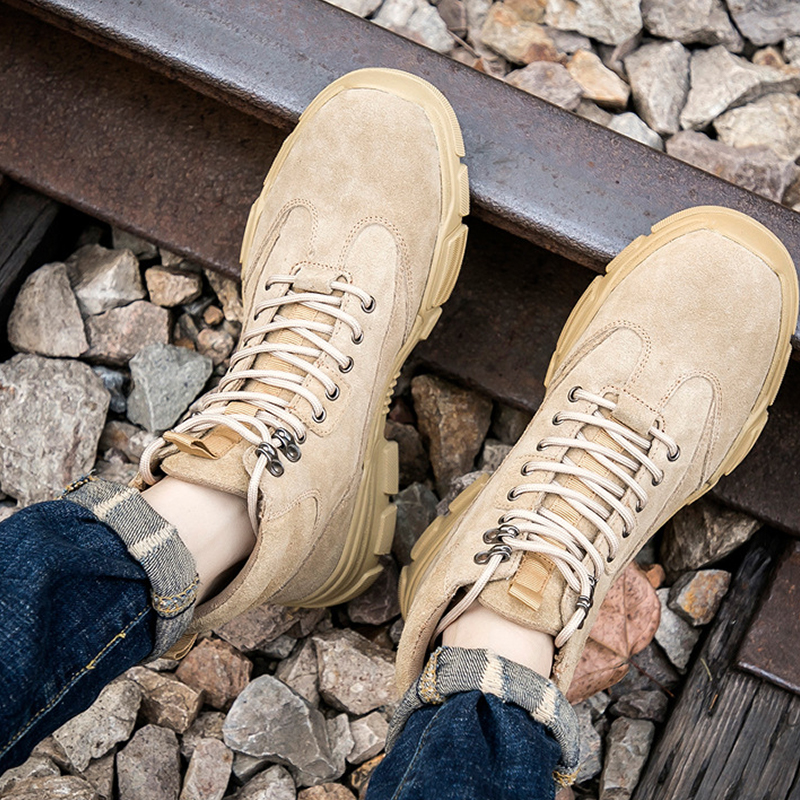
659 385
349 253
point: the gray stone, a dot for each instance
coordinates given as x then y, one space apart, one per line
165 381
611 23
51 415
301 672
696 596
45 318
598 703
50 748
396 631
114 381
591 752
674 634
414 463
208 772
216 669
454 15
68 787
342 743
279 648
591 111
208 725
597 81
509 423
361 8
272 784
148 768
416 509
516 39
758 169
115 471
492 455
627 748
254 628
117 335
454 422
270 719
165 700
128 439
355 675
659 77
169 259
369 737
100 774
773 121
614 56
108 721
456 487
395 14
34 767
701 534
427 27
550 82
104 279
379 604
628 124
245 767
216 344
766 21
791 50
691 22
642 704
229 294
172 287
650 669
122 240
720 80
568 42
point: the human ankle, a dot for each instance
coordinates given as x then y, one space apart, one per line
480 628
213 525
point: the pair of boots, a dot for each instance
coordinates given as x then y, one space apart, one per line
659 385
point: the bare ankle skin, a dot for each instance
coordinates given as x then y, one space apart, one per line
213 525
480 628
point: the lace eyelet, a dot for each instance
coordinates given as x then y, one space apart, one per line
358 339
676 456
347 367
571 394
540 447
609 559
512 494
333 395
638 507
655 482
321 417
369 307
482 557
557 419
625 533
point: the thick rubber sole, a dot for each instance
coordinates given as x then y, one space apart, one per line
372 527
732 224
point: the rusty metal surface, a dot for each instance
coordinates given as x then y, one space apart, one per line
128 145
541 172
771 647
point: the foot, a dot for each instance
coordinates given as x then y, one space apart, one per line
659 385
348 255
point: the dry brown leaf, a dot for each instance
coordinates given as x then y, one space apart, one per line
626 624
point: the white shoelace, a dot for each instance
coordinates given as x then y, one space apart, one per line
544 532
273 428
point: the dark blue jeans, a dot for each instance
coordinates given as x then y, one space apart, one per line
76 612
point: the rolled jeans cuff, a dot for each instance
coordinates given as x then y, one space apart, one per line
152 542
451 670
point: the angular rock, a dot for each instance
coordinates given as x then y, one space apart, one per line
379 604
509 423
213 316
628 124
703 533
115 472
172 287
361 8
273 784
45 318
100 774
591 752
208 725
369 737
50 748
395 14
659 77
165 381
428 28
454 14
492 455
342 743
165 700
791 50
550 82
103 279
45 444
396 631
656 575
627 748
642 704
114 381
359 778
611 23
34 767
568 42
245 767
279 648
456 487
414 463
126 438
208 772
218 670
516 39
766 21
355 675
529 10
773 121
217 345
301 673
70 787
229 294
262 624
598 82
758 169
148 768
720 80
769 57
674 634
650 669
269 719
326 791
598 703
453 420
614 56
696 596
117 335
691 22
108 721
122 240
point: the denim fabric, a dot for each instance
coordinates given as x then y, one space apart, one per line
76 612
471 747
